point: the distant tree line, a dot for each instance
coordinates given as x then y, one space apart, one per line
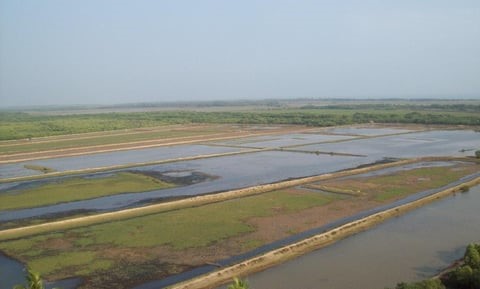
18 125
457 107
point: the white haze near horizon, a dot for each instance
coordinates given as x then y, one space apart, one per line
55 52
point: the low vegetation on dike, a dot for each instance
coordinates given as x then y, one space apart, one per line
464 276
79 188
154 246
42 169
16 125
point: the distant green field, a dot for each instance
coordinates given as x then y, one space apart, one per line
90 250
74 189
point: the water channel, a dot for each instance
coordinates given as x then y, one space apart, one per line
411 247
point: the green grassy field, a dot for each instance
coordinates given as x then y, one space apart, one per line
89 251
385 187
77 188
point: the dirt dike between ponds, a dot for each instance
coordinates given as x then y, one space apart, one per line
288 252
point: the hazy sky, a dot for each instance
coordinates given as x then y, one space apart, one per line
102 51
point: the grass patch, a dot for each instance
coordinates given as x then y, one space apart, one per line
73 252
252 244
59 261
42 169
74 189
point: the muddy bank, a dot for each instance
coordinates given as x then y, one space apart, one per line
179 178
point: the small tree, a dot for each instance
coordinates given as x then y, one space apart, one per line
472 257
238 284
34 281
477 154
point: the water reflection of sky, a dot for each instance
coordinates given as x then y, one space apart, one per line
420 144
112 158
234 171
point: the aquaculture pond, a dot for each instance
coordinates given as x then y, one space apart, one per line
418 144
111 159
411 247
374 261
228 172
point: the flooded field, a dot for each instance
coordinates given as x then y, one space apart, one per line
111 159
231 172
250 169
411 247
419 144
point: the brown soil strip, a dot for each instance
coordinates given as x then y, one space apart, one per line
286 253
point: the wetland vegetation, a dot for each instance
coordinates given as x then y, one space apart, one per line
127 252
79 188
